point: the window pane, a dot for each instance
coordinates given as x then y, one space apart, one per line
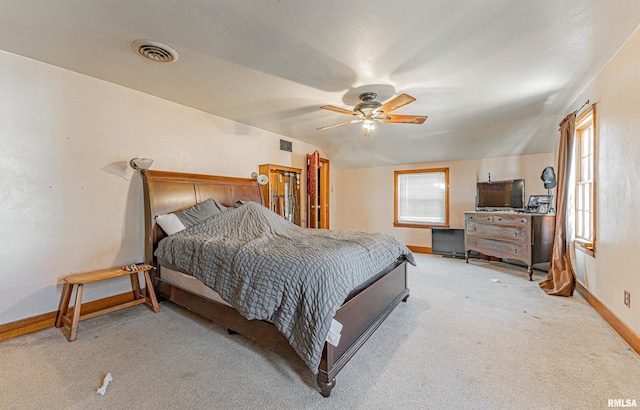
587 197
421 198
587 226
579 196
584 146
579 224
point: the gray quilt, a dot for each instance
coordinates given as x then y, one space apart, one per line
270 269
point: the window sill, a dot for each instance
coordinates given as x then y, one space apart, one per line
408 225
585 247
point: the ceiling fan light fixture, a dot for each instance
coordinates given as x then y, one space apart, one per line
369 125
369 111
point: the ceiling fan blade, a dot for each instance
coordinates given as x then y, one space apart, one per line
338 109
404 119
338 125
399 101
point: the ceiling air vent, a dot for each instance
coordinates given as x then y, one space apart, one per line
286 145
154 51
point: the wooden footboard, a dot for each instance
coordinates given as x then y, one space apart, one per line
360 317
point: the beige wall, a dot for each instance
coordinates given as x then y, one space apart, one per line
68 203
363 197
616 90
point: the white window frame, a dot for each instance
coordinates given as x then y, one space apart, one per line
585 176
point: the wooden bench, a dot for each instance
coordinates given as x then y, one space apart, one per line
146 295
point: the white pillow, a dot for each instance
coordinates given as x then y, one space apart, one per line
170 223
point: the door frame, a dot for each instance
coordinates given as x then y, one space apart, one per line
323 188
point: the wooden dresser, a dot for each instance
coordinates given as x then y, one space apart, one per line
524 237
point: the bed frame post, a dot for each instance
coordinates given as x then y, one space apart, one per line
326 387
148 225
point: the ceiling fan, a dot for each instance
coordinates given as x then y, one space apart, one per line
370 111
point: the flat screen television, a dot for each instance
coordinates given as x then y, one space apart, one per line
447 242
500 195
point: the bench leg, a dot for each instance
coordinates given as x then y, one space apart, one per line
64 303
150 292
135 285
73 331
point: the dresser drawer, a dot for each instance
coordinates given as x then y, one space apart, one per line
500 249
505 233
514 220
478 218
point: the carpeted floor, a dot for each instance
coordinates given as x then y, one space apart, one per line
471 336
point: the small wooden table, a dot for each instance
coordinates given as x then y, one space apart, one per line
79 279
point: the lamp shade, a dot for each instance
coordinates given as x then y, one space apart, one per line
141 163
548 177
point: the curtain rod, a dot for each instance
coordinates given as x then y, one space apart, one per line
576 112
583 105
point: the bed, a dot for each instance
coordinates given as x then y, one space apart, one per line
364 308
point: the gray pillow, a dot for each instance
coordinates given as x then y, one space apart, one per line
200 212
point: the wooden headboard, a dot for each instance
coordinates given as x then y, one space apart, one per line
166 192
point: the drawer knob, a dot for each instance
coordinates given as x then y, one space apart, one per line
515 234
515 251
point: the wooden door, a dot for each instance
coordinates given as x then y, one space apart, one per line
318 188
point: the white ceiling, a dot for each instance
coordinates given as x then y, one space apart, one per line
495 77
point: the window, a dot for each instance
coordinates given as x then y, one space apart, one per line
422 198
585 179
